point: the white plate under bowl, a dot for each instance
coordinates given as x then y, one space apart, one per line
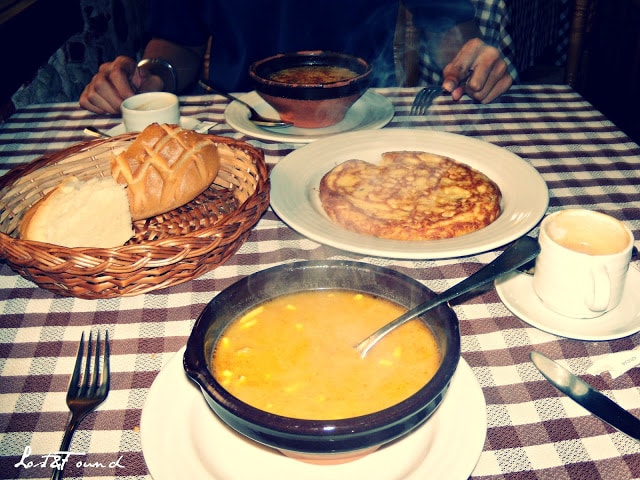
185 122
516 292
371 111
183 438
295 180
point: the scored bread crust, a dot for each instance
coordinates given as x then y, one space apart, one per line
410 196
164 168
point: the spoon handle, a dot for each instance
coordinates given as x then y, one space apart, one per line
254 116
209 88
94 132
519 253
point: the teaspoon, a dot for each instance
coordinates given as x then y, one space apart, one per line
254 116
519 253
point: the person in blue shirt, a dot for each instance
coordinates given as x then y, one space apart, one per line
243 31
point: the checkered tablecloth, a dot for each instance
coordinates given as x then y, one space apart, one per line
533 431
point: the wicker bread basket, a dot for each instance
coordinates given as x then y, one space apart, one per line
166 250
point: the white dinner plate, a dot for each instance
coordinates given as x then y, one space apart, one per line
185 122
295 180
183 438
516 292
371 111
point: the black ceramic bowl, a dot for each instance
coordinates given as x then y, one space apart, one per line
322 439
311 102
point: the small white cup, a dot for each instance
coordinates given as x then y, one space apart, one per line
144 109
583 262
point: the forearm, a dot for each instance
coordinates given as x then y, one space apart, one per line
187 61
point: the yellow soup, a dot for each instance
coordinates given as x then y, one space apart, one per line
294 356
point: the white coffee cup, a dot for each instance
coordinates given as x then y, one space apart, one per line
144 109
583 262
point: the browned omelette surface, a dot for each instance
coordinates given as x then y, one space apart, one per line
410 196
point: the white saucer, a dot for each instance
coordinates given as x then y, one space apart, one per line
182 438
516 292
185 122
371 111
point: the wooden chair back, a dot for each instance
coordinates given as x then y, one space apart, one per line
577 53
405 49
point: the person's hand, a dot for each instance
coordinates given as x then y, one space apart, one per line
114 82
477 70
110 86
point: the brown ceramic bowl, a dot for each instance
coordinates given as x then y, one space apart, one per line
311 89
320 441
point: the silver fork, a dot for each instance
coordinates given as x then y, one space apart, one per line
84 393
424 99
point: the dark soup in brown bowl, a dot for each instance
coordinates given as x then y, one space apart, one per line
311 89
274 357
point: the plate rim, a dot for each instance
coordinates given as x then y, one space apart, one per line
471 426
242 125
186 122
330 234
502 285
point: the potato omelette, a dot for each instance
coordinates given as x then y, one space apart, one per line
410 195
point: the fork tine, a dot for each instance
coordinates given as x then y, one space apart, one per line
423 100
429 102
434 94
417 101
426 102
104 384
85 383
75 376
96 367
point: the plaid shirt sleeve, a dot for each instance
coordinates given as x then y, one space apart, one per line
493 20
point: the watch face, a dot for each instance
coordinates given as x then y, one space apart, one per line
156 74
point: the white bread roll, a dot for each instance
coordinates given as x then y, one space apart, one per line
164 168
92 213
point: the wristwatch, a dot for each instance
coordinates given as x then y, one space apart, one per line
163 69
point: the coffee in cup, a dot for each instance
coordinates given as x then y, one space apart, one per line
144 109
582 266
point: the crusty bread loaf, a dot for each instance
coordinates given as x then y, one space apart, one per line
164 168
92 213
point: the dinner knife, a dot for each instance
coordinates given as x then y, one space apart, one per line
584 394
